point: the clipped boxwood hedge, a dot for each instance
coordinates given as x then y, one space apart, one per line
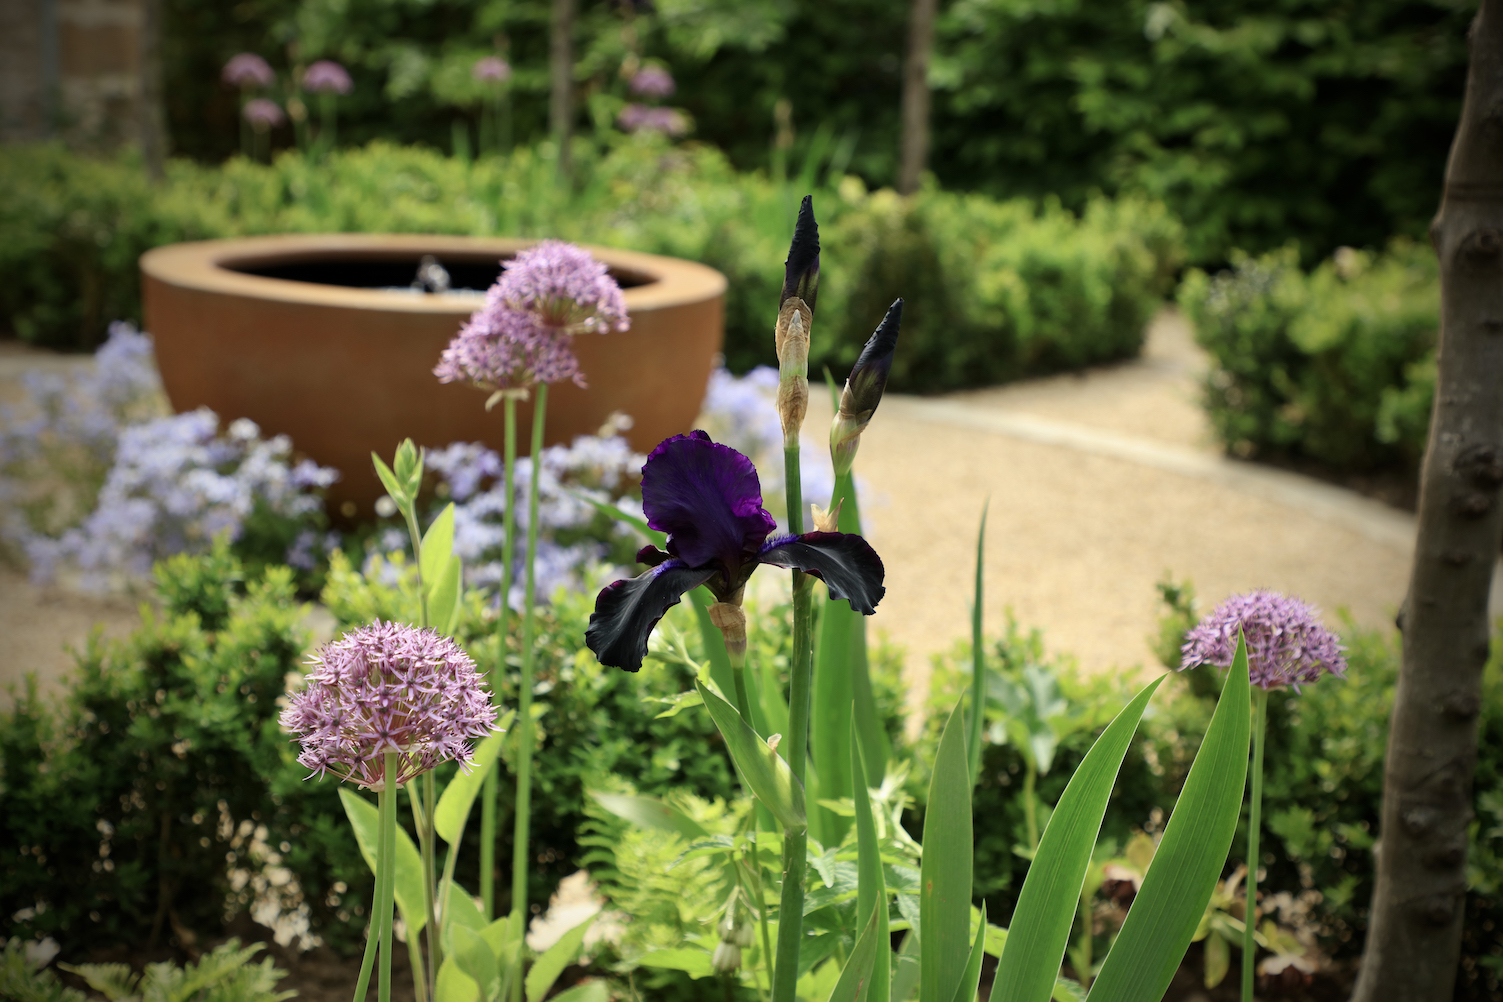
994 290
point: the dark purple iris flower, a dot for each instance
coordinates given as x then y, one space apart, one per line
708 500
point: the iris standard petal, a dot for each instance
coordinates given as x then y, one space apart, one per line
626 611
707 498
846 563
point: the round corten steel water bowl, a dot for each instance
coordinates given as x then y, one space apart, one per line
317 337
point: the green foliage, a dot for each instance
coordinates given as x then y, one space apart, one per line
993 290
225 974
1336 365
22 981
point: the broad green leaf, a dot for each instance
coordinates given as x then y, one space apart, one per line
856 976
1173 897
647 812
438 546
1066 990
463 910
443 596
945 874
679 703
453 808
547 968
970 978
503 937
1218 959
454 985
474 957
763 769
977 719
113 981
1047 904
691 959
871 892
389 480
593 990
366 821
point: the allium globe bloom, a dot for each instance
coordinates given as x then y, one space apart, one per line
1286 644
564 287
639 117
652 81
388 687
491 69
327 77
707 498
502 348
263 114
248 70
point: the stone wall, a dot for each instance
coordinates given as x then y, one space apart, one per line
71 69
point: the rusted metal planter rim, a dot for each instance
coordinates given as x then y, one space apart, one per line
207 265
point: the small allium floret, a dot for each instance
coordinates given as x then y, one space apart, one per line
388 687
564 287
1286 644
652 81
263 114
327 77
491 69
248 70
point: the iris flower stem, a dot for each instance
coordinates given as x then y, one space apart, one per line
524 696
387 869
795 841
491 790
1254 824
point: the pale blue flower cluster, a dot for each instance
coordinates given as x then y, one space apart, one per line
97 486
570 537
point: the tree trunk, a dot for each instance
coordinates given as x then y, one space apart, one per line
561 72
1414 938
915 152
152 117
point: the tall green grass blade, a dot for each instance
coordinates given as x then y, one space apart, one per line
830 714
905 975
871 887
945 873
645 812
763 769
366 820
714 644
1178 884
970 978
978 656
1046 908
856 976
453 808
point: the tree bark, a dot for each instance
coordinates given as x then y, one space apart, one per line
915 152
561 73
1414 937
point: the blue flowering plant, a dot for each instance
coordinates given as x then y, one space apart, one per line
822 780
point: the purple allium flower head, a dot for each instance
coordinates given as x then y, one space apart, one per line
1286 644
504 348
327 77
564 287
707 498
248 70
263 114
491 69
652 81
388 687
640 118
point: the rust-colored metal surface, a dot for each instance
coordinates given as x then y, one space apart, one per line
346 371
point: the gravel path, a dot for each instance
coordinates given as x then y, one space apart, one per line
1099 485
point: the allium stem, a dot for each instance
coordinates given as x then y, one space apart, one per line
519 856
430 874
372 936
1254 828
386 866
492 788
795 843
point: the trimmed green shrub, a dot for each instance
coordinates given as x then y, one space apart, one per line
1336 365
993 290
